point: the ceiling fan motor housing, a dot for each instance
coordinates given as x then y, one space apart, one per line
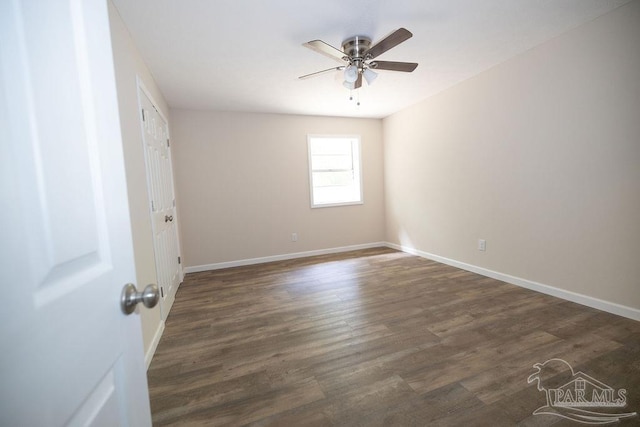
356 48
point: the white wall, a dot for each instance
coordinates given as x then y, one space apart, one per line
129 64
243 186
540 156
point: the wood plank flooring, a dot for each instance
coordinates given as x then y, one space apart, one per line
375 337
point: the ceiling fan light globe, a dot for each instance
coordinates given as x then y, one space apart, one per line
369 76
349 85
351 74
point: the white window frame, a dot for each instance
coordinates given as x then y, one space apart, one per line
357 163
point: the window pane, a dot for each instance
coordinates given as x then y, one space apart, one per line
331 146
326 179
327 195
331 162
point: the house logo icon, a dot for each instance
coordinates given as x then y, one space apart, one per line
570 393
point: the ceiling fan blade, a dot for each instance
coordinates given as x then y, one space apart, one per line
391 41
325 49
358 81
321 72
394 66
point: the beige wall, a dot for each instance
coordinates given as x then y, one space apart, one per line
129 64
540 156
243 186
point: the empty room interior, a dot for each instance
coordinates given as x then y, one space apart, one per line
384 213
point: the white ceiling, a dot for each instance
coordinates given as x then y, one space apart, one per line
246 55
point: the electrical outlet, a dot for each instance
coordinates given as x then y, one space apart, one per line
482 245
294 237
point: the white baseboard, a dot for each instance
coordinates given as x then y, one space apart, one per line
610 307
154 344
283 257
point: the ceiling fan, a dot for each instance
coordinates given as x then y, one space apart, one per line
358 57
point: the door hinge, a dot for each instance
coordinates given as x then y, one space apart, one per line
143 114
161 292
174 203
153 206
179 261
167 142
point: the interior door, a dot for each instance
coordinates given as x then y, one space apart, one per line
69 356
162 202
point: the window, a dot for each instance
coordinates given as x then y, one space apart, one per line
334 170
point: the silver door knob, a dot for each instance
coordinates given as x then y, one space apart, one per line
168 218
131 297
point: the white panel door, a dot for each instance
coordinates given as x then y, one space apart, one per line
69 356
162 202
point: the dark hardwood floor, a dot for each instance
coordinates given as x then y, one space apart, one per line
377 337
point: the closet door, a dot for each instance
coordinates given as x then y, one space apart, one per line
162 203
